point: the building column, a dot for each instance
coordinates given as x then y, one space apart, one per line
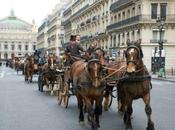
116 35
109 41
135 33
126 37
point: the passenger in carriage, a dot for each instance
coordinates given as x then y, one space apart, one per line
73 47
36 57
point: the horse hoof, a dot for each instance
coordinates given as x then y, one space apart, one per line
81 122
96 128
120 113
106 108
150 127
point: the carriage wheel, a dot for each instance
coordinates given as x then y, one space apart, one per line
59 91
66 94
59 84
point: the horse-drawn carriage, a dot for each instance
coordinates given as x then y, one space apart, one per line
49 79
97 79
19 63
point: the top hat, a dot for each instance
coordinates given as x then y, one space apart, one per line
73 38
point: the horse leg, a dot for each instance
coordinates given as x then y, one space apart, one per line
128 113
31 74
91 114
121 101
148 110
80 106
47 83
98 105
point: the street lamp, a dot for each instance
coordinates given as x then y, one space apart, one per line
161 23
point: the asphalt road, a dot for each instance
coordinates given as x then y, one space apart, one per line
23 107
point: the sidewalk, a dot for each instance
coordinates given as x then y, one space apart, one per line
169 78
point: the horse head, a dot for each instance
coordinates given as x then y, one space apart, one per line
100 54
51 61
94 69
133 55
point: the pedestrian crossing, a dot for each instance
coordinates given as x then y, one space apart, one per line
4 73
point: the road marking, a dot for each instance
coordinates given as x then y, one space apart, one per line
2 74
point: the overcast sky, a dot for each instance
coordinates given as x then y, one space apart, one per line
27 9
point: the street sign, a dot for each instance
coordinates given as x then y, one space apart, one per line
113 52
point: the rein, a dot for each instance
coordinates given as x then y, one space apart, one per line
112 73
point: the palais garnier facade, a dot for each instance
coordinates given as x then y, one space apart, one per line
17 37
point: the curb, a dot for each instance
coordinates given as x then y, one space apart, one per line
163 79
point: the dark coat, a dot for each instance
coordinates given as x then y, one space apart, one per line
74 49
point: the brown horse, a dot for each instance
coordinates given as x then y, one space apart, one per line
29 69
136 84
112 72
49 75
88 89
20 66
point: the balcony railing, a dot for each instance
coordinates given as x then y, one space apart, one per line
138 19
80 11
123 22
157 41
118 5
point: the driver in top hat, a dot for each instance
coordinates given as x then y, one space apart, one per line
73 48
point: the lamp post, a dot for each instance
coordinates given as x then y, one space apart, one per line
161 23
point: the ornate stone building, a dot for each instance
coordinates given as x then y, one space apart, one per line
17 37
90 19
51 32
136 19
112 22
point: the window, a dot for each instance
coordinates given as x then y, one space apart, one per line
115 41
119 17
12 47
119 40
26 47
19 47
139 9
154 11
5 46
5 56
128 15
163 11
155 35
133 11
34 47
123 15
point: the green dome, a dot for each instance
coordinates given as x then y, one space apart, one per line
14 23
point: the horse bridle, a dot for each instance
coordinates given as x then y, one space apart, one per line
139 56
97 61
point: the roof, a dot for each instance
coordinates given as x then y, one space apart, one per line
14 23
